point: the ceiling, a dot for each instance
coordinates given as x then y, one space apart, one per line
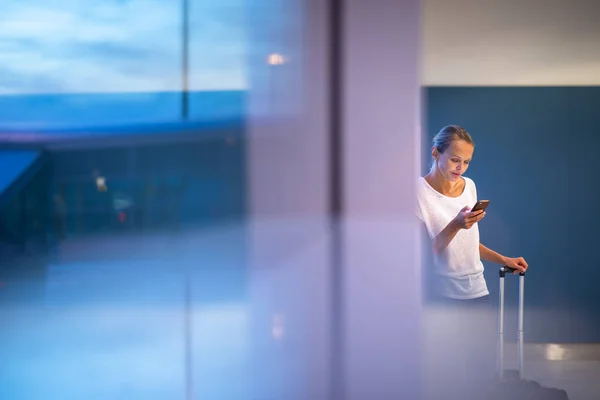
511 42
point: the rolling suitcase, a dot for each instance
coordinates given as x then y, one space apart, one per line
511 384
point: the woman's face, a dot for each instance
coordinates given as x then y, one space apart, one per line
453 162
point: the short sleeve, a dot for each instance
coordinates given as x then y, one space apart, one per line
418 213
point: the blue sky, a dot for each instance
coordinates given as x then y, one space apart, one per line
117 46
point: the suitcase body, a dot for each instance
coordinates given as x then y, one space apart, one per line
511 384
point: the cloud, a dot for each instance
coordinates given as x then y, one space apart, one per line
9 80
117 45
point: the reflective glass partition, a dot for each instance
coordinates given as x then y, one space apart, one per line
153 278
122 258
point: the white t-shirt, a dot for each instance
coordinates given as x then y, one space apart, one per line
458 268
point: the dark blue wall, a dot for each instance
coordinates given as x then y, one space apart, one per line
536 156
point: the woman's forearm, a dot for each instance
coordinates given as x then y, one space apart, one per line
441 241
490 255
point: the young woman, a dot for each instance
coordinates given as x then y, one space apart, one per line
444 200
463 329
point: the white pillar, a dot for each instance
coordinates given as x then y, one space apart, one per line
381 163
287 175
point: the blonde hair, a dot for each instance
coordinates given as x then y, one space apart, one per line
449 133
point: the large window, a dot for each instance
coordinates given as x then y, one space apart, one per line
93 63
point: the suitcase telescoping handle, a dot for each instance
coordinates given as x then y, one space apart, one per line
503 271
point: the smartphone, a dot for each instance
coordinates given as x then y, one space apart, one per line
480 205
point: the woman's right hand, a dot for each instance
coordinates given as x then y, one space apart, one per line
465 219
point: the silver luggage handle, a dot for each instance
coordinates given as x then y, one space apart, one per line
502 273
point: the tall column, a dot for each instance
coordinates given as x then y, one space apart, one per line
381 159
333 309
287 150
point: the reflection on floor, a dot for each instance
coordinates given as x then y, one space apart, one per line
578 378
106 319
572 367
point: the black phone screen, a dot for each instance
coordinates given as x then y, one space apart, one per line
480 205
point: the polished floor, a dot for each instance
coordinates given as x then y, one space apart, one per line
572 367
162 316
126 317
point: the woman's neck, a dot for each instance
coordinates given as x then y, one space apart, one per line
441 184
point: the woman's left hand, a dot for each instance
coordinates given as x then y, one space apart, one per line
518 264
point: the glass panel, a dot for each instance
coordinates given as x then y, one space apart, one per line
151 187
147 262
